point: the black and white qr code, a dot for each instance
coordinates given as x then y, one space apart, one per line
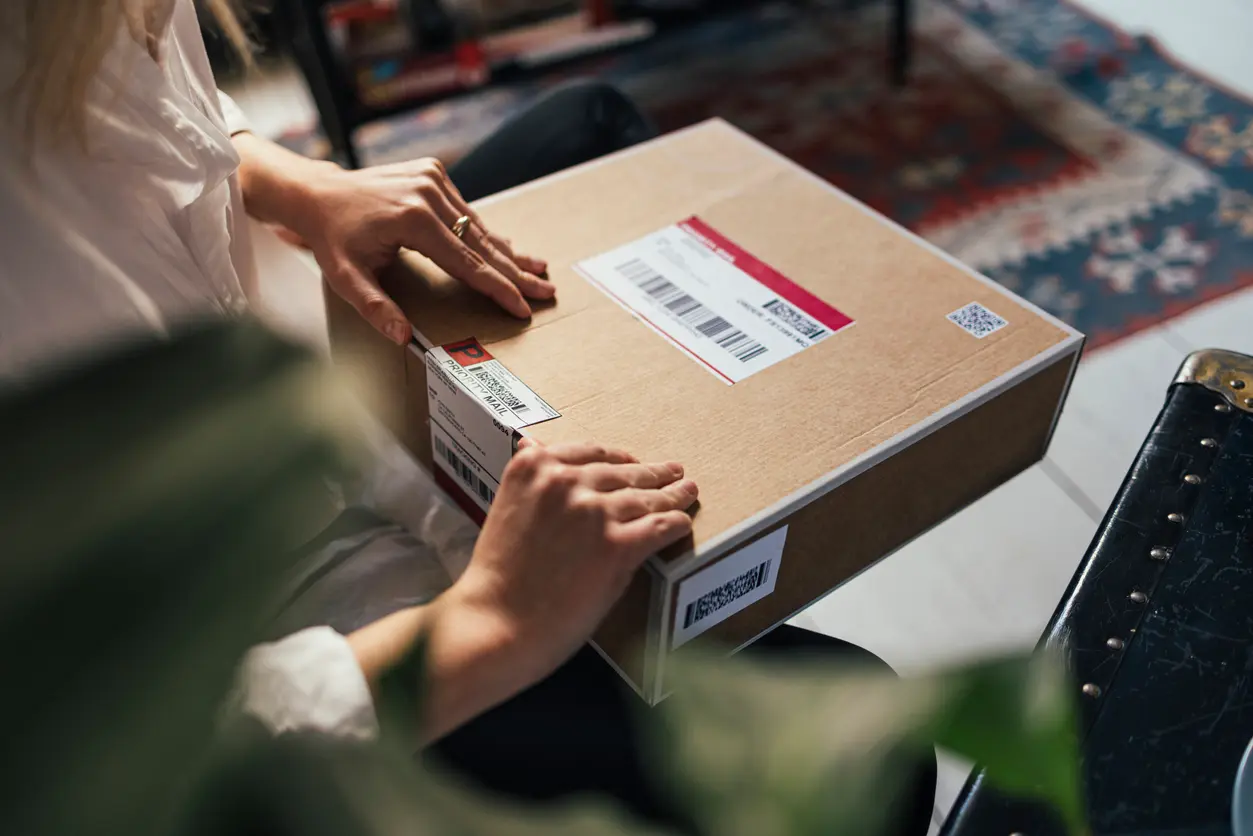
738 587
977 320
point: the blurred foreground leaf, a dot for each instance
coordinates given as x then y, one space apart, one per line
317 786
149 505
807 748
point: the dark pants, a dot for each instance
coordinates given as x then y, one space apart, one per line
571 125
574 732
577 733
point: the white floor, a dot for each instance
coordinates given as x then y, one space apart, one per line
988 579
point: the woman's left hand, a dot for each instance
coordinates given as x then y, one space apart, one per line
357 222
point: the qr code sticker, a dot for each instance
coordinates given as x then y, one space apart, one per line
977 320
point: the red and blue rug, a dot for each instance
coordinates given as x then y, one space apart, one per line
1077 165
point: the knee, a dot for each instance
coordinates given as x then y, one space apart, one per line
594 95
610 114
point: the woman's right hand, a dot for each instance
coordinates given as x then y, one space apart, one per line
569 526
567 530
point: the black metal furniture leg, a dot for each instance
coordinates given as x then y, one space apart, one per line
313 53
900 41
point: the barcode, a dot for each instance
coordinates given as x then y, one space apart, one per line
691 311
977 320
464 471
794 319
715 600
498 389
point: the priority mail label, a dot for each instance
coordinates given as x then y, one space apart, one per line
476 407
729 311
713 595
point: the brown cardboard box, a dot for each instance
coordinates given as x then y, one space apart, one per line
813 467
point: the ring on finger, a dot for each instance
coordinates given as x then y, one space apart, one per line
460 226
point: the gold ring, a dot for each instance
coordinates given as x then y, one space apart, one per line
459 226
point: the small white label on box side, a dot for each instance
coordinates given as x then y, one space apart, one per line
729 311
977 320
475 406
728 586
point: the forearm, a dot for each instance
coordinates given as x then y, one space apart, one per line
276 182
472 661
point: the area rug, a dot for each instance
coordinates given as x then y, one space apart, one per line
1079 166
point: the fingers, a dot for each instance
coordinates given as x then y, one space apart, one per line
457 259
649 534
356 285
536 266
529 267
611 477
632 503
485 243
578 453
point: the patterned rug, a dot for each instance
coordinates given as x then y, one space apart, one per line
1077 165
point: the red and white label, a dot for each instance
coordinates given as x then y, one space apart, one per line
728 310
476 407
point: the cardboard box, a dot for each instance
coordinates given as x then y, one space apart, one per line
834 384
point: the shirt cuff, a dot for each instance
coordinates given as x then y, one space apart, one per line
309 681
236 121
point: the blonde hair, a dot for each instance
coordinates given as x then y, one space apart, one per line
67 40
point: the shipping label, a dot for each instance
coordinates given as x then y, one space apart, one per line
729 311
713 595
476 406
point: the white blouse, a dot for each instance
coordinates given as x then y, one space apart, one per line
142 228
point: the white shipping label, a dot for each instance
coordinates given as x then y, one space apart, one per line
729 311
713 595
475 405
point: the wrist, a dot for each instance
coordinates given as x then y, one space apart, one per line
281 187
476 659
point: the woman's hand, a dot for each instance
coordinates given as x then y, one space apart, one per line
356 222
569 526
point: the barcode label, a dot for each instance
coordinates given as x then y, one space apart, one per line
468 476
727 586
977 320
476 406
691 311
711 602
795 320
493 384
725 308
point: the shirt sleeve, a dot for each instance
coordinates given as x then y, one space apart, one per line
309 681
236 121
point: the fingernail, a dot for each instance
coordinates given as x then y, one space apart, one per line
545 290
398 332
522 310
688 487
675 468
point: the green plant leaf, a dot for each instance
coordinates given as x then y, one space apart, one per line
149 503
758 748
400 698
312 785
